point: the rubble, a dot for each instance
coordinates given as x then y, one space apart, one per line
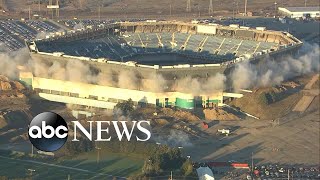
219 114
7 85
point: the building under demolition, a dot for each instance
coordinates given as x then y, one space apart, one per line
174 50
106 97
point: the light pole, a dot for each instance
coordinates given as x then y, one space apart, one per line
32 149
305 3
98 154
275 7
233 9
245 7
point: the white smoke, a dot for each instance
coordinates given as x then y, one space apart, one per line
197 86
247 75
44 34
176 138
128 80
155 82
244 76
9 62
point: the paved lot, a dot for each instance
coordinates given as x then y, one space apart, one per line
294 141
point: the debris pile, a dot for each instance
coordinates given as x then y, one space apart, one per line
219 114
7 85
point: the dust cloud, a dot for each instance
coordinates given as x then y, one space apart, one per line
272 72
245 75
176 138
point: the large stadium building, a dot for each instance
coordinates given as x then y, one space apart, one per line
174 50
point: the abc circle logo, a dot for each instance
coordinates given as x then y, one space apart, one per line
48 131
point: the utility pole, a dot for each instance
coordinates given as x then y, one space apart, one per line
170 10
233 4
305 3
210 8
39 6
98 154
245 7
237 7
99 15
58 9
171 176
29 13
288 174
275 7
50 4
188 9
251 162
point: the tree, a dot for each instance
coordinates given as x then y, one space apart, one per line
125 107
163 159
83 145
187 168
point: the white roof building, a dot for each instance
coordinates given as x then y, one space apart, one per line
205 173
297 12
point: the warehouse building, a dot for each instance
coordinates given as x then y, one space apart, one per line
300 12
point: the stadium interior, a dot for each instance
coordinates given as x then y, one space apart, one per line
190 43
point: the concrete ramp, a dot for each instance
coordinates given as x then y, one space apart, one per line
303 104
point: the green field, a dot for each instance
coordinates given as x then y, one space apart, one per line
84 166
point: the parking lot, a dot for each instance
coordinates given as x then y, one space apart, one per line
42 26
79 24
14 33
265 172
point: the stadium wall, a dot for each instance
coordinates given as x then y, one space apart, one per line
106 97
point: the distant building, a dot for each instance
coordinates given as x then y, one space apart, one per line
205 173
300 12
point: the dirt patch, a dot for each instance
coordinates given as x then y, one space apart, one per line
269 103
219 114
179 114
161 122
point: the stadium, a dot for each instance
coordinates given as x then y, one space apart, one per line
171 49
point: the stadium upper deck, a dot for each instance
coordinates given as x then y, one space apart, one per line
207 49
197 48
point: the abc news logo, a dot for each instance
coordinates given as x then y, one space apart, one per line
48 131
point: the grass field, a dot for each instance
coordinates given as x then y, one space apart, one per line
83 166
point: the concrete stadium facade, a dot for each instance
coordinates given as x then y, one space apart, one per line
106 97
